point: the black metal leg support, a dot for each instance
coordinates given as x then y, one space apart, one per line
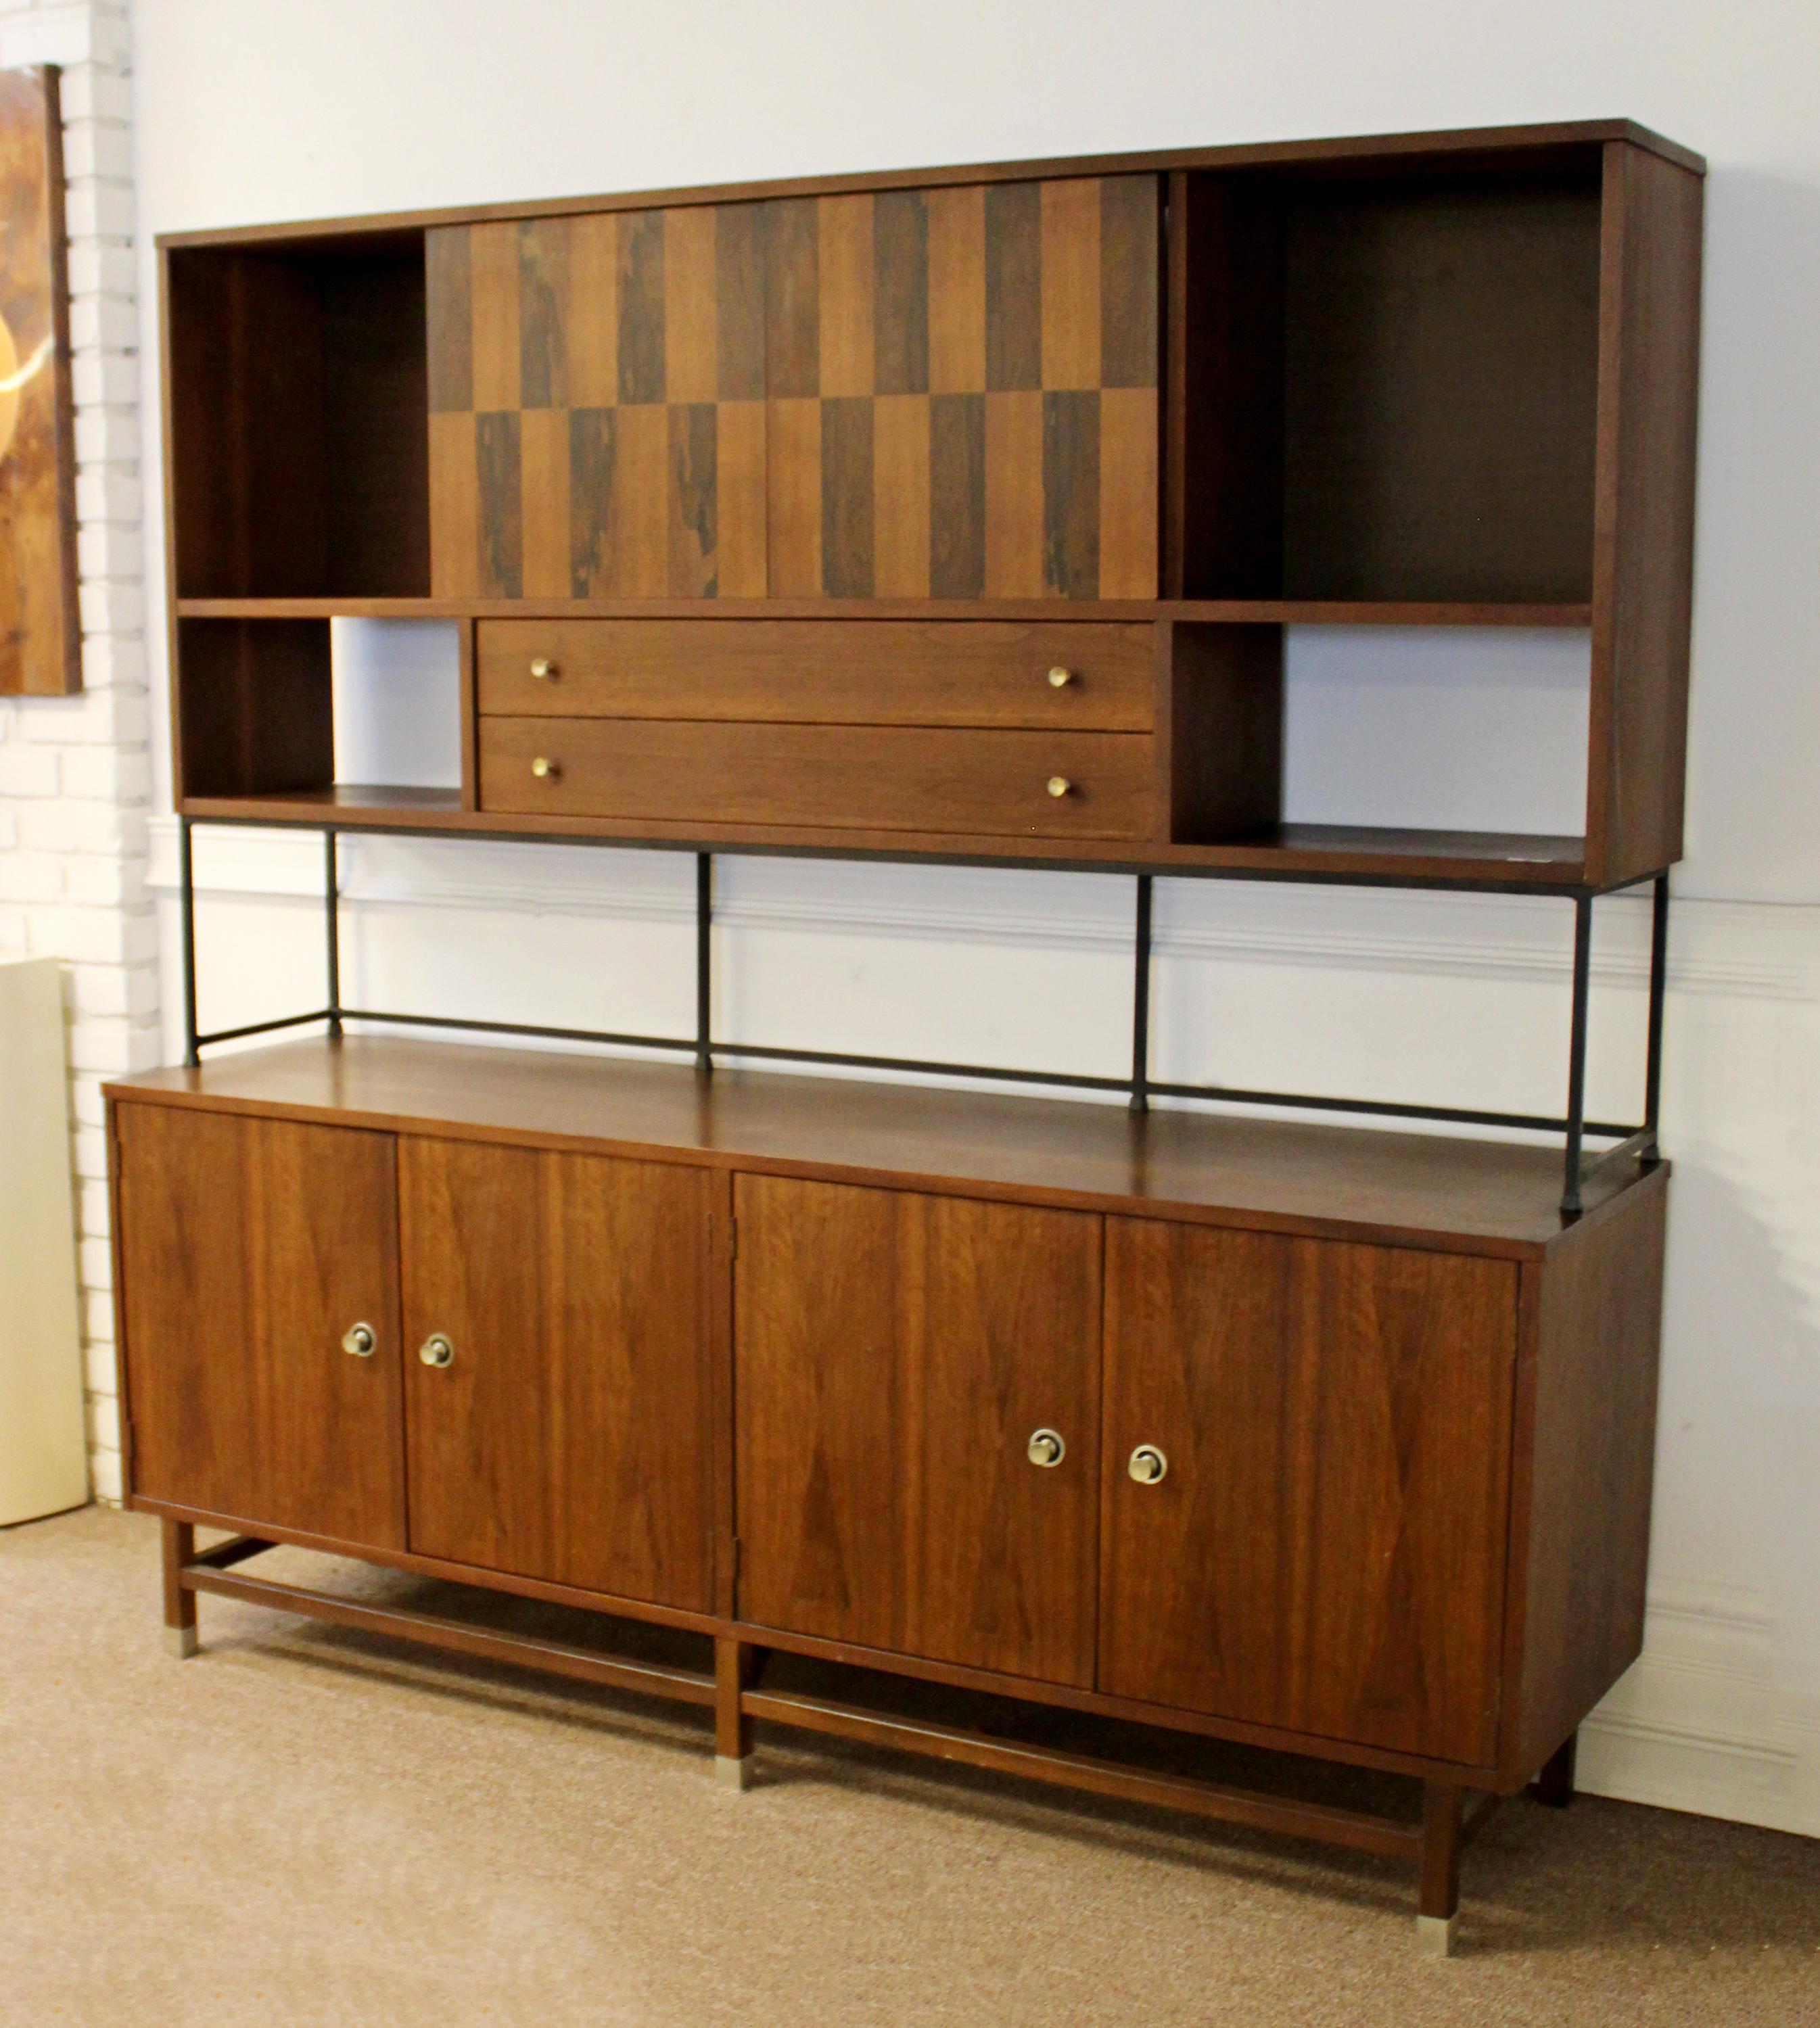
187 910
1140 1001
704 962
1576 1049
1657 996
331 902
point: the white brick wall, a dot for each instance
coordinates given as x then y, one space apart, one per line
75 773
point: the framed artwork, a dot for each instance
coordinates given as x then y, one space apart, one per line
40 635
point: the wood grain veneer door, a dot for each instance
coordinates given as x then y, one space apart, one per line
1326 1550
569 1437
248 1248
895 1353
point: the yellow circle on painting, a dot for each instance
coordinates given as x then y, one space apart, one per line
9 389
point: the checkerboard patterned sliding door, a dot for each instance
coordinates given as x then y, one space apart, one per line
944 393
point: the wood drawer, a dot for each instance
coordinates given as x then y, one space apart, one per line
822 672
856 777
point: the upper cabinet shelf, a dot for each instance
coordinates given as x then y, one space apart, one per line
1425 381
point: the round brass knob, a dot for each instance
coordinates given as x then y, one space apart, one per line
1059 678
545 769
544 670
359 1339
1059 785
1147 1464
1045 1448
436 1350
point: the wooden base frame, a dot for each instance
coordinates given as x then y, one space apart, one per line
1451 1814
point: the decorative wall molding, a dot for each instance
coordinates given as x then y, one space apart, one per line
1746 949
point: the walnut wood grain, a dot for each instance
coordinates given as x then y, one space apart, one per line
1500 1199
1325 1550
570 1438
863 778
249 1247
895 1354
852 672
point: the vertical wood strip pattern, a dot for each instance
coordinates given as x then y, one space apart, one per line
901 519
1128 525
1014 514
793 469
593 445
593 338
544 502
739 302
741 507
947 393
691 320
497 466
493 267
1130 256
1070 287
957 313
641 306
693 542
454 506
793 301
1014 286
900 293
544 313
846 497
957 496
450 313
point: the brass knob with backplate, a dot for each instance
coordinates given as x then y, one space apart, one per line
544 670
1147 1464
1059 785
436 1350
1059 678
1045 1448
359 1340
546 770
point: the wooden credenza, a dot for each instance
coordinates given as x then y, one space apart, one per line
1315 1439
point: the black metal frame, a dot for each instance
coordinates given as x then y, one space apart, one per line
1639 1143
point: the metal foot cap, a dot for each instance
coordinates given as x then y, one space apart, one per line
1434 1935
733 1774
182 1642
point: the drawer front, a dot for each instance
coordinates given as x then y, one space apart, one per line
821 671
853 778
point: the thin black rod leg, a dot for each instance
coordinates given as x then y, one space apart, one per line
704 962
187 911
332 909
1577 1048
1140 1001
1658 997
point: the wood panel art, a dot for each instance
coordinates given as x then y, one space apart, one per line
944 393
40 635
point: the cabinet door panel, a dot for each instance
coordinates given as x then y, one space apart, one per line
1326 1552
895 1353
248 1248
570 1437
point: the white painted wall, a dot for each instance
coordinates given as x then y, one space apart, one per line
250 114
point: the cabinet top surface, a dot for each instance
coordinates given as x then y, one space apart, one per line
1338 151
1470 1196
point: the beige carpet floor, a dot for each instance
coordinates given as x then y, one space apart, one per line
304 1826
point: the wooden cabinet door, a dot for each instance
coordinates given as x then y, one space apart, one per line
906 394
248 1248
1325 1551
895 1353
568 1436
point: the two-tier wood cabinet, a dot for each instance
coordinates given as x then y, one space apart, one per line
1236 1429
